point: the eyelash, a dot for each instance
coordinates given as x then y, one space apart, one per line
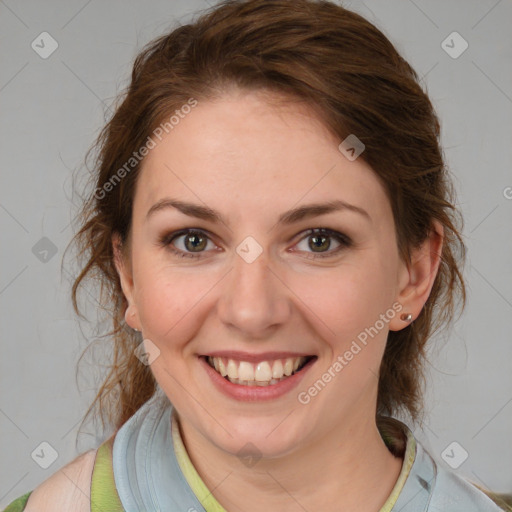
344 240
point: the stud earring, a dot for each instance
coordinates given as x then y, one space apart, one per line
406 317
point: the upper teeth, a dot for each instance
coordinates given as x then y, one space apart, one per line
263 371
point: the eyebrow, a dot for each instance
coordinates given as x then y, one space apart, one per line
287 218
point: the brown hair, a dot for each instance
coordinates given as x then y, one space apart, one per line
333 60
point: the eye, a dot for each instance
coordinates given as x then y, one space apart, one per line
320 242
193 240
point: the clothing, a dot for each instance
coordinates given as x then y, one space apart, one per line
145 467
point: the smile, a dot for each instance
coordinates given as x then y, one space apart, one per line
261 373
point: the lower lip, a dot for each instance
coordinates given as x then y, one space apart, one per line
255 393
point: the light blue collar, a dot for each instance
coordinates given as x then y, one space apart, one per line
146 472
148 477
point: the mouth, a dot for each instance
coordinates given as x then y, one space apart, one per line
262 373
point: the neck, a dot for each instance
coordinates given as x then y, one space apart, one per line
354 457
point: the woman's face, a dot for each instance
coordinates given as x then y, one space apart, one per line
257 287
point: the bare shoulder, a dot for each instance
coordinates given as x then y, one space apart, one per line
68 489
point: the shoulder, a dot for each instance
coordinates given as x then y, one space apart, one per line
455 493
68 489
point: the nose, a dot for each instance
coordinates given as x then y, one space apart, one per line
254 299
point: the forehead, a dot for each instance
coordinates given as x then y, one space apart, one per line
244 151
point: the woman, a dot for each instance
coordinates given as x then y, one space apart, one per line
275 232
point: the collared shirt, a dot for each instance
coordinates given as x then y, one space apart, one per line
153 472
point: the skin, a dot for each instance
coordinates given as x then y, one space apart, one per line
251 159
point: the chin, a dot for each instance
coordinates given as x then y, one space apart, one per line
259 436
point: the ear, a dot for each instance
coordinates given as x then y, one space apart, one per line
416 278
123 267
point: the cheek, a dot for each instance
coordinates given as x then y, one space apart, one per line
348 305
171 302
349 298
163 303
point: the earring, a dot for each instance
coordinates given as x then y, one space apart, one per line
406 317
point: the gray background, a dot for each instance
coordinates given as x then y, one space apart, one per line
52 110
